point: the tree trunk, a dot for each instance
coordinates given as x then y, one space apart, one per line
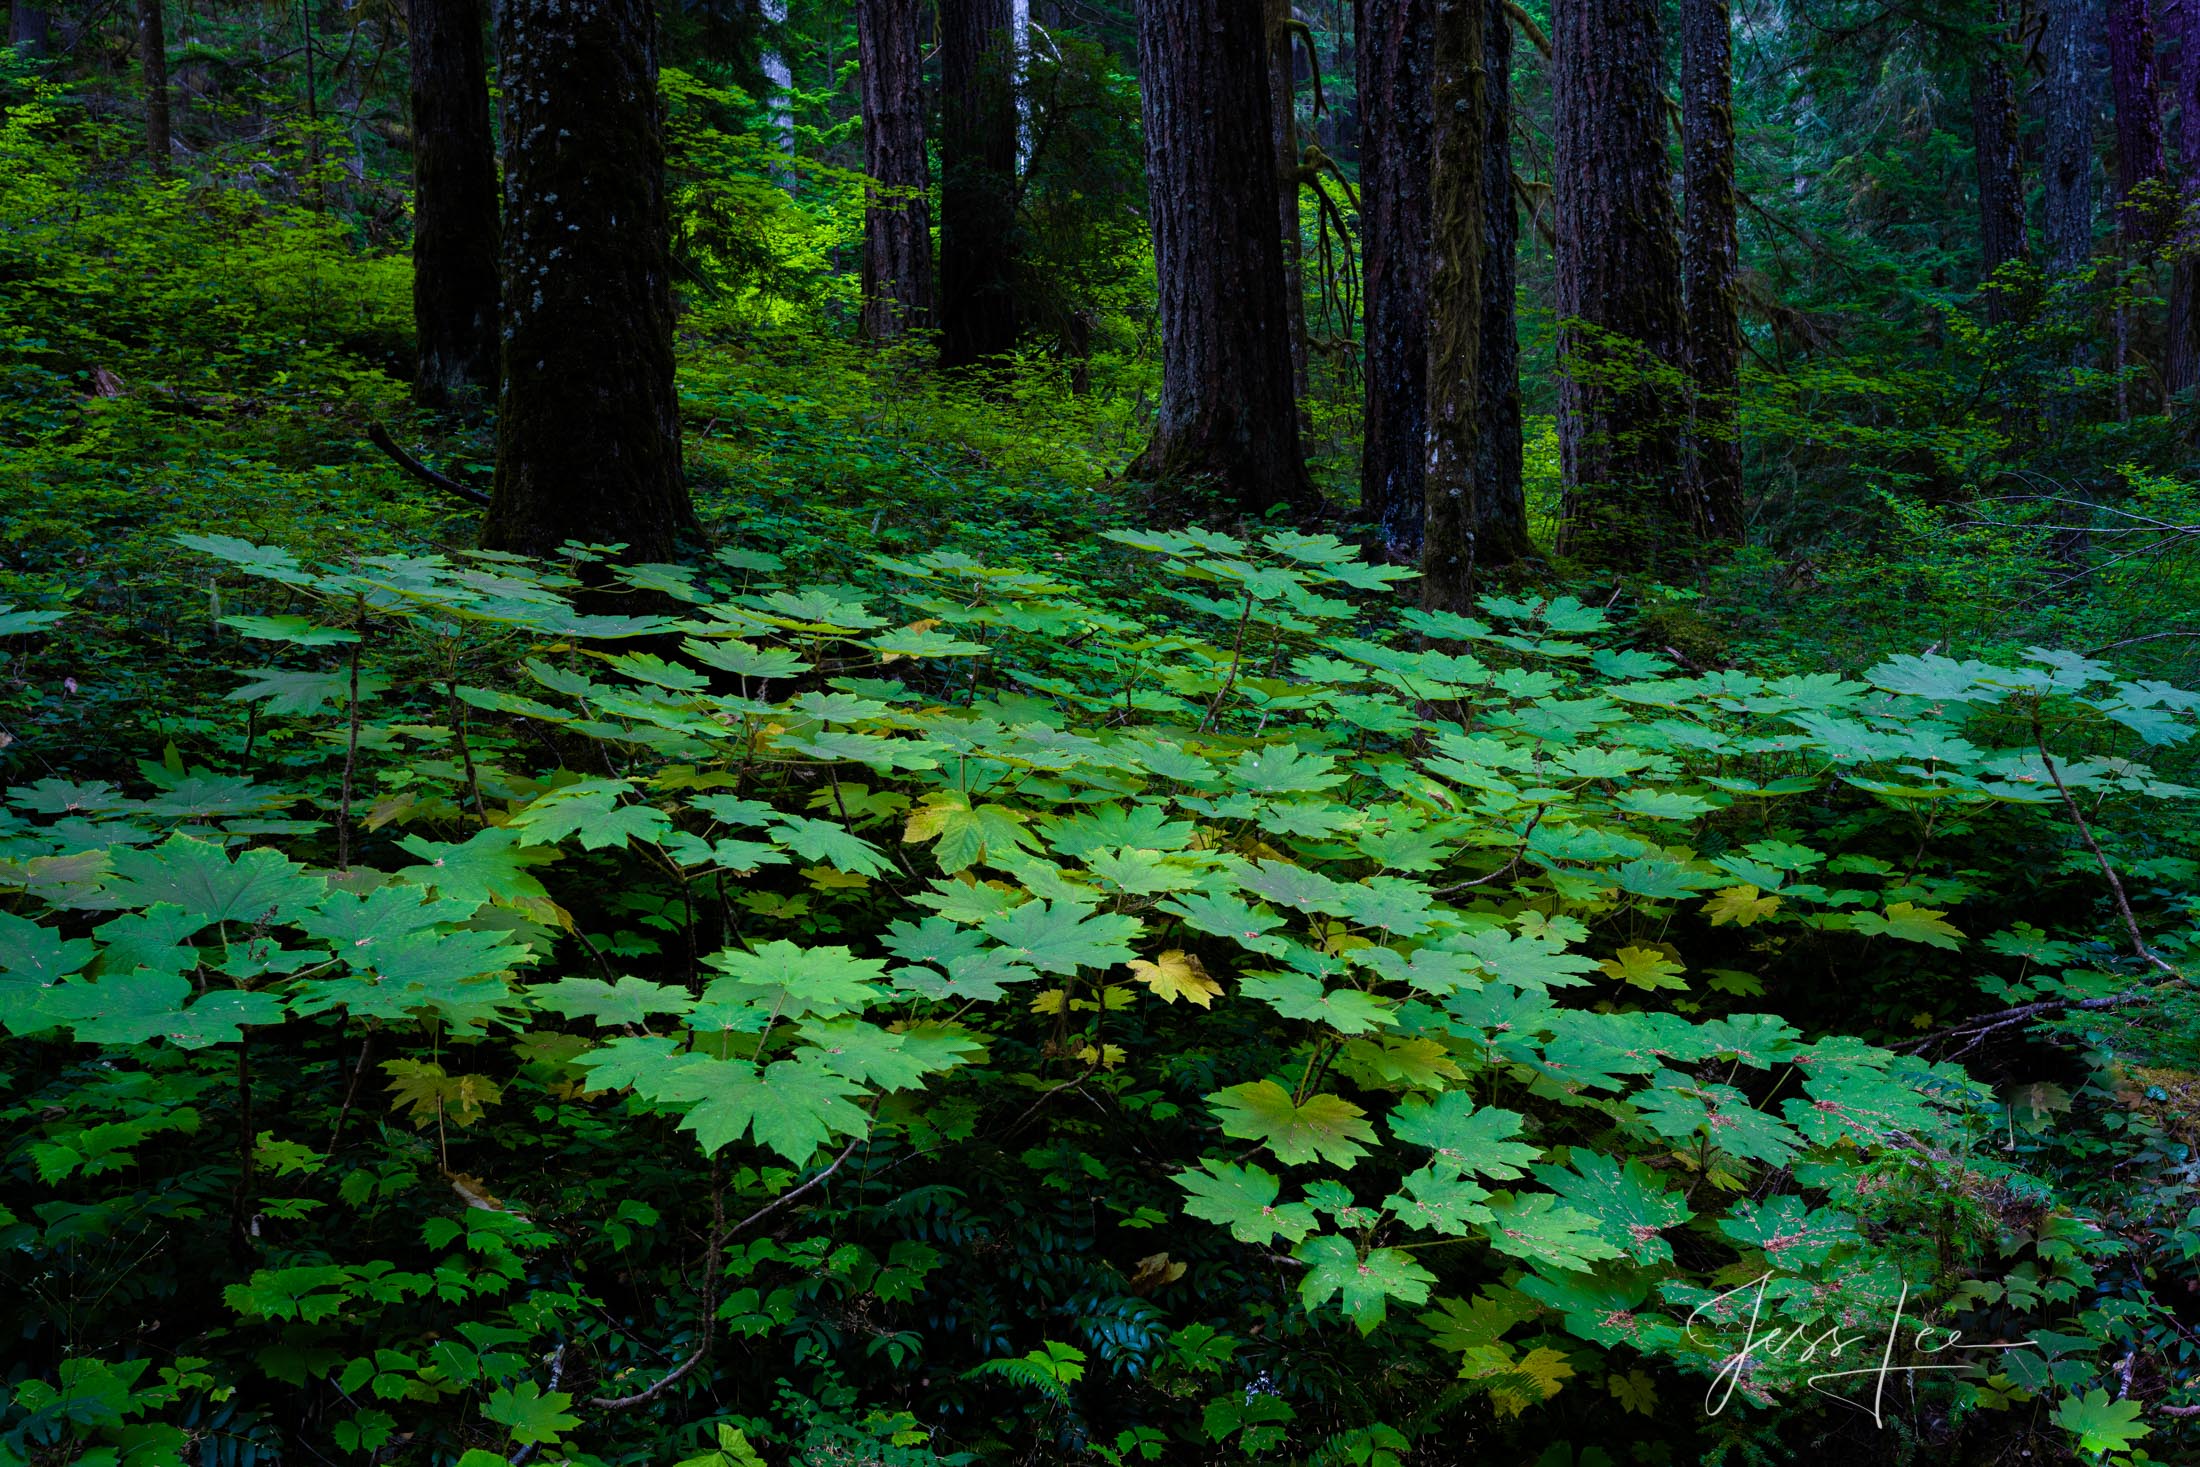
27 28
2138 117
1227 417
2069 155
1454 306
1283 135
2000 170
1711 263
2184 290
1500 503
1620 407
454 204
153 65
977 183
588 426
897 226
1394 98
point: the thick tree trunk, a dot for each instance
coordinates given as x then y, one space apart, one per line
1394 99
977 183
1500 503
1227 417
2138 117
1620 407
455 286
2000 170
2184 290
2069 157
153 67
588 426
1457 107
1283 137
897 226
1711 264
27 28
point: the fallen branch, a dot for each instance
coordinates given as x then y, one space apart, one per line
379 436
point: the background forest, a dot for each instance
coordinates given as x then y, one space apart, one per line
1185 731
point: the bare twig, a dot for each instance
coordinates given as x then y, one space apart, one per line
2139 946
379 436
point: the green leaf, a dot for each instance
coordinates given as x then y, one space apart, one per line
2101 1425
1062 936
296 630
1909 922
630 1001
1534 1226
793 1106
290 693
489 865
1243 1199
198 876
1464 1139
531 1415
1363 1287
791 981
1630 1202
1327 1127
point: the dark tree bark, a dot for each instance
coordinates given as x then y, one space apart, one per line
1500 501
897 225
977 183
1620 407
1457 108
588 427
1711 256
2000 167
455 287
1283 137
153 67
1227 417
2138 116
27 28
2184 290
2069 157
1394 100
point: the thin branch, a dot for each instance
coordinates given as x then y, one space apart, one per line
379 436
2139 946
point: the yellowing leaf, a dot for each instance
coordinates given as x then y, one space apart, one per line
828 878
1635 1391
431 1094
1107 1056
1177 974
1741 905
1909 922
1643 967
1048 1001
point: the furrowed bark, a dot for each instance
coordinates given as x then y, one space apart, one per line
2069 155
2000 168
588 426
1620 404
1283 137
1711 264
1454 304
1227 418
1394 100
455 288
153 67
897 228
1500 504
2184 290
977 183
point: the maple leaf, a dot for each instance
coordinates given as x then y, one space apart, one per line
1630 1203
199 877
1741 905
1908 922
1226 914
966 835
1363 1287
2101 1425
1177 974
1643 967
1243 1199
1534 1226
1327 1127
531 1415
1062 936
629 1001
431 1095
1464 1139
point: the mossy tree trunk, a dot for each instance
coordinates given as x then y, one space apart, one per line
2069 91
977 182
455 287
588 426
1621 407
897 223
1711 265
1227 418
1394 98
1454 304
153 68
